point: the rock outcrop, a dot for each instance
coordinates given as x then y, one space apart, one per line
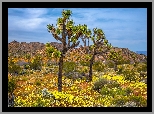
16 48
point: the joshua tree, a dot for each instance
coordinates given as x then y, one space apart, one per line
100 46
68 34
85 37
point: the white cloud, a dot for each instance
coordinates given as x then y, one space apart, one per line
117 24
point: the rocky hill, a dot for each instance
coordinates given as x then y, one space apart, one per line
16 48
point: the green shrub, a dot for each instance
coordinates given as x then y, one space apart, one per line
84 63
120 101
28 56
112 92
38 82
106 91
84 69
26 66
113 84
13 68
110 64
69 67
128 91
120 69
23 71
36 63
12 84
100 83
139 100
98 66
127 61
129 75
142 67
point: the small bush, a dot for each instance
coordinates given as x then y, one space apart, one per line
38 82
129 75
105 91
69 67
120 101
142 67
100 83
12 84
26 66
128 91
120 69
113 84
84 69
84 63
110 64
113 92
36 63
13 67
22 72
139 100
98 66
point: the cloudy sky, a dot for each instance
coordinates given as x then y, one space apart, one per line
123 27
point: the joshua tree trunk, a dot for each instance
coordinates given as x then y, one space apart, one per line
60 73
88 42
115 66
90 70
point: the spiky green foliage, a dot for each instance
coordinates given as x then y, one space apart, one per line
68 34
100 46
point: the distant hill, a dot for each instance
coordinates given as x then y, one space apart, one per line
142 52
33 48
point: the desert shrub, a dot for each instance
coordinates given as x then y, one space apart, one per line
69 67
39 103
28 56
36 63
26 66
84 63
105 91
139 100
115 91
129 74
98 66
100 83
120 101
127 61
23 71
12 84
113 84
110 64
142 67
120 69
38 82
24 79
13 67
128 91
84 69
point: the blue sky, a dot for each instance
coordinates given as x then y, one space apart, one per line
123 27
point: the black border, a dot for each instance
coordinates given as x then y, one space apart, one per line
6 5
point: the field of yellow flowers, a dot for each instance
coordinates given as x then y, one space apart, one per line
37 90
110 89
